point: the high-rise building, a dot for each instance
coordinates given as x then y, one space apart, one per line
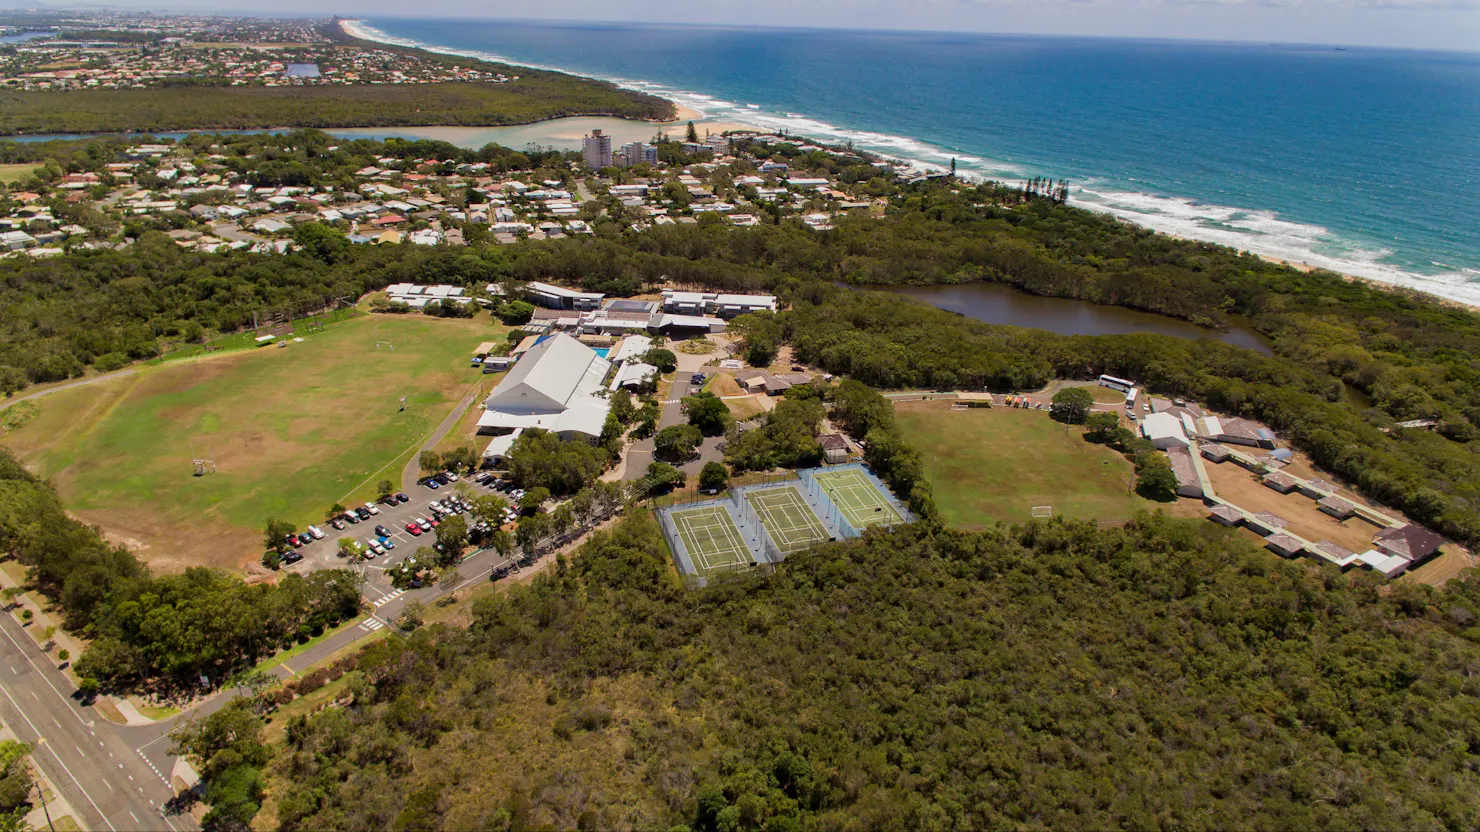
597 150
637 153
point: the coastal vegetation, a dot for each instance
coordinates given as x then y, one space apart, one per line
207 102
535 97
1048 675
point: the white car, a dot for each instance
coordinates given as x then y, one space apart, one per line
451 477
372 508
375 546
425 524
318 534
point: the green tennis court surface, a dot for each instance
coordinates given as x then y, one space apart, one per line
713 541
787 518
858 499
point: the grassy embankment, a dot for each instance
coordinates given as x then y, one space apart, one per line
996 464
291 430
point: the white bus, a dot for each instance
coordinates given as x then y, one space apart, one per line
1117 384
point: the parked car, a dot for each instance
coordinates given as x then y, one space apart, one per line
363 513
433 484
337 524
402 498
292 558
440 479
413 529
292 540
424 523
382 531
318 533
372 508
375 546
352 517
387 543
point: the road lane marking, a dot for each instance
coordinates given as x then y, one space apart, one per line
58 758
32 663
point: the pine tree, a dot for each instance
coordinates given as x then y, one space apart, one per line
693 134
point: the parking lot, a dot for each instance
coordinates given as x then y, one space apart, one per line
324 554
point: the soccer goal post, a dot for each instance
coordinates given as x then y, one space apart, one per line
1042 511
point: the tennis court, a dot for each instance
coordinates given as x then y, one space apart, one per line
857 498
787 518
711 538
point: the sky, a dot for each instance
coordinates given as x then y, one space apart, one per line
1436 24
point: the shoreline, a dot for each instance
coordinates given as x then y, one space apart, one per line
1371 283
1459 287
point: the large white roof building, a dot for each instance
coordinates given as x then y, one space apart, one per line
556 386
1164 430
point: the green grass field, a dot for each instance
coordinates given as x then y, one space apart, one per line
11 174
713 541
989 465
786 517
856 497
291 430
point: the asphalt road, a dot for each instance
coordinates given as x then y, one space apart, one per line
115 777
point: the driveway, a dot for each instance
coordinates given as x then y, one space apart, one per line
412 472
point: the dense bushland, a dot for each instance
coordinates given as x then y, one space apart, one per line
1047 676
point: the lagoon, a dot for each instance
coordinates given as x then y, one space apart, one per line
994 303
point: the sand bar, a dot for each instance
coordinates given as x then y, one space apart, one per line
560 133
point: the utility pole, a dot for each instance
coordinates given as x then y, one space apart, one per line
42 793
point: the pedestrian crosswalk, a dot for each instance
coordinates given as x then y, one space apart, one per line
386 599
371 624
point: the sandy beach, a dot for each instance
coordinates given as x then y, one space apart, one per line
560 133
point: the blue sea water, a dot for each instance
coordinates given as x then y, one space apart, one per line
1362 160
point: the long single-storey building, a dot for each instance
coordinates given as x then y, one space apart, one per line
715 303
559 297
1188 484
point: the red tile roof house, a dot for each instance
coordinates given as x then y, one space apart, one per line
1412 542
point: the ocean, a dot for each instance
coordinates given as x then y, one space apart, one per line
1361 160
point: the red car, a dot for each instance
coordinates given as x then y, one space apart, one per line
414 529
294 541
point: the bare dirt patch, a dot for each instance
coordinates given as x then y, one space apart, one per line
1242 488
1451 561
